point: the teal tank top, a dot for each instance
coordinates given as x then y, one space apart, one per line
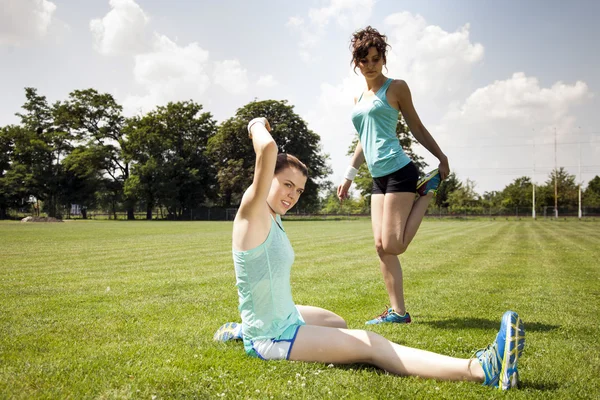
375 121
263 283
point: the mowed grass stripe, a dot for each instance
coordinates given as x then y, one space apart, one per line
565 315
476 258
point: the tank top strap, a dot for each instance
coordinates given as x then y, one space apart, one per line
383 89
277 222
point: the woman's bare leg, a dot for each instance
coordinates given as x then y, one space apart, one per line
321 317
402 217
395 219
345 346
388 263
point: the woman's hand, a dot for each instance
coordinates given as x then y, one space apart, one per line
444 168
342 191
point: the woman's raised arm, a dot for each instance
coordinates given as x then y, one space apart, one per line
266 156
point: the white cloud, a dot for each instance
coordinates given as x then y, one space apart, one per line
22 21
510 126
122 30
169 73
295 22
436 64
347 13
267 81
230 75
519 99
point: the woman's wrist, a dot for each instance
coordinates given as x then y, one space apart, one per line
350 173
259 120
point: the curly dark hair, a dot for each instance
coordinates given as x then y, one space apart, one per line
362 40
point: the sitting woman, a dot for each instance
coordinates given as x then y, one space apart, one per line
275 328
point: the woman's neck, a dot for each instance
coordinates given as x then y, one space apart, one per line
376 83
273 213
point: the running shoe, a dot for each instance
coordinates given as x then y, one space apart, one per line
429 183
228 331
499 359
390 316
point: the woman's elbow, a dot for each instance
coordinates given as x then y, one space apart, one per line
268 147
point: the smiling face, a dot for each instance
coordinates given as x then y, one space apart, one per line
371 66
286 188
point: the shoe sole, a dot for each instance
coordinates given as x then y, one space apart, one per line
377 322
426 179
225 332
513 348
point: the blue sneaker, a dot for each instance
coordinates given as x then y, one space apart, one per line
228 331
499 360
390 316
429 183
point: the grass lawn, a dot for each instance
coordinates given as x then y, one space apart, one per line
114 309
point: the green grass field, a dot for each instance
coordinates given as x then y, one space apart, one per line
106 309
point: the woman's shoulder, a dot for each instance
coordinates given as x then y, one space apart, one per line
399 90
399 84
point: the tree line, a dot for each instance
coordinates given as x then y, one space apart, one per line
84 151
458 197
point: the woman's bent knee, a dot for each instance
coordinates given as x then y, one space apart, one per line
337 322
391 248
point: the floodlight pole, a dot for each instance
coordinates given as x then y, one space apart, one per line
580 180
533 206
533 182
555 179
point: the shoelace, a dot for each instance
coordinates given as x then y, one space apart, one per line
489 357
384 314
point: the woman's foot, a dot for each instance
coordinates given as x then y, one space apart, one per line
228 331
390 316
429 183
499 359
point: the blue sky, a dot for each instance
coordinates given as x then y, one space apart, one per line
492 81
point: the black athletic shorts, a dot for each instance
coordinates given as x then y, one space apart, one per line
403 180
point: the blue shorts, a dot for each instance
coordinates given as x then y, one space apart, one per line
278 348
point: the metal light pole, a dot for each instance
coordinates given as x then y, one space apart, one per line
555 180
580 180
533 183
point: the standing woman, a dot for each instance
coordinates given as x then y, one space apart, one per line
274 328
395 214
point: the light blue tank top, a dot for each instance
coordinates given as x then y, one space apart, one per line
263 283
375 121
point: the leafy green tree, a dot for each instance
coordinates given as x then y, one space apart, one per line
447 187
518 194
568 191
167 148
491 199
233 155
83 179
364 181
463 197
591 195
351 205
41 147
96 119
7 187
594 185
